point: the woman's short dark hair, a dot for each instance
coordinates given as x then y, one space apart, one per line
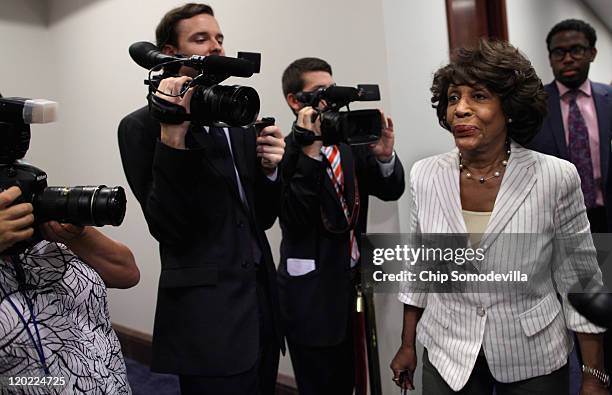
504 71
165 33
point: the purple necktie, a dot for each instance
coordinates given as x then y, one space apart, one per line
579 149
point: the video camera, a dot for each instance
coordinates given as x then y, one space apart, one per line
79 205
211 103
352 127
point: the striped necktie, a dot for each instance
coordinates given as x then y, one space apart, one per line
580 150
334 171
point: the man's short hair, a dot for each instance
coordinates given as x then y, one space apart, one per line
573 25
292 76
165 33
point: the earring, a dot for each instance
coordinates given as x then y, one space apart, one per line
509 120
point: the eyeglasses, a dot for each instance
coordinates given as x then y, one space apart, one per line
577 52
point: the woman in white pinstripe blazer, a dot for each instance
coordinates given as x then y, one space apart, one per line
492 101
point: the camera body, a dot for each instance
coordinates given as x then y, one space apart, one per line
352 127
80 205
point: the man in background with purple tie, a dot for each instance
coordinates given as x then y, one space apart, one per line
579 124
324 208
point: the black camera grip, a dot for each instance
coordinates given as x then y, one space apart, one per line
264 123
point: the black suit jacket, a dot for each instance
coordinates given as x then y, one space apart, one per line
315 306
206 321
551 138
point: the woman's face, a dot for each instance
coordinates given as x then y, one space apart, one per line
476 118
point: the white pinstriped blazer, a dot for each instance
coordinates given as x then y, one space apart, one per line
523 334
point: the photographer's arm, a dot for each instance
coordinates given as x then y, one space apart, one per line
15 221
171 207
113 261
302 173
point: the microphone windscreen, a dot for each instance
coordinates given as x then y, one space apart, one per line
147 55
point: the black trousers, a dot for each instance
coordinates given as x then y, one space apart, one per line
324 370
481 382
261 378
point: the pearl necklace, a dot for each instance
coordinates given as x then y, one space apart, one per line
482 179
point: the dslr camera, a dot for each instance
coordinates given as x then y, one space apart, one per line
352 127
79 205
211 104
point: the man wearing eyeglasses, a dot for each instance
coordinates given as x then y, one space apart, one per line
579 123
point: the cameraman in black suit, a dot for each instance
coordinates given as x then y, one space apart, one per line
323 214
208 194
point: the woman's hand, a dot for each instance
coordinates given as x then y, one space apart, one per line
591 386
61 233
403 366
15 220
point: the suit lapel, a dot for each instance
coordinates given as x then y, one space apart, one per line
603 107
219 158
516 185
554 120
239 146
446 185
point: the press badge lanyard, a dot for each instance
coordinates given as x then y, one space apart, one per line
20 275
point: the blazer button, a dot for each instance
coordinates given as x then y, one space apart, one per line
240 224
244 264
481 311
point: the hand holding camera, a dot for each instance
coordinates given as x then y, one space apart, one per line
15 220
383 148
308 119
61 233
270 148
24 183
169 89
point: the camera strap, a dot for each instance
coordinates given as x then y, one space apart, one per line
351 218
166 112
23 287
302 136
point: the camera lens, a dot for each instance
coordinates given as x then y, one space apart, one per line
234 105
81 205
